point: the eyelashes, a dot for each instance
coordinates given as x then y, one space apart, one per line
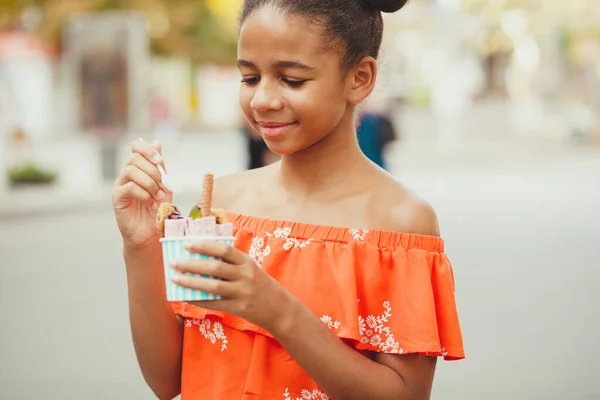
290 82
250 81
293 83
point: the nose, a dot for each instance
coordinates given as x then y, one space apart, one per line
266 97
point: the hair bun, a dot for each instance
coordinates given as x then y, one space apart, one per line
388 6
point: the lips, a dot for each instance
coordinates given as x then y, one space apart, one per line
274 130
274 124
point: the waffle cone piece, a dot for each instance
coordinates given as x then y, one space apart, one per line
220 215
165 210
207 192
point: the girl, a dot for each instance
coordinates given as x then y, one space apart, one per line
312 310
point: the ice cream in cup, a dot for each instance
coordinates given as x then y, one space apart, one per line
204 223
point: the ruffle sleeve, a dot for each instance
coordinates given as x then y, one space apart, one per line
379 291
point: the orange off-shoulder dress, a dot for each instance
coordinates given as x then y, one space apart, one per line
379 291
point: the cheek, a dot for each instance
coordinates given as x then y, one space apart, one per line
321 110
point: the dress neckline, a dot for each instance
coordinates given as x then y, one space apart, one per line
326 233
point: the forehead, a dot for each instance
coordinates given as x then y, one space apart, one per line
269 34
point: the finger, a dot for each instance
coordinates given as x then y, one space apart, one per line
153 153
140 178
216 268
147 167
158 146
225 305
206 285
216 249
147 150
133 191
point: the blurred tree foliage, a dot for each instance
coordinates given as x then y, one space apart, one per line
201 30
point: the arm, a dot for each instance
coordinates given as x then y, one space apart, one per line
157 333
342 372
345 374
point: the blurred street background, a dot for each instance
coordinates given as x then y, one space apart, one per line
495 112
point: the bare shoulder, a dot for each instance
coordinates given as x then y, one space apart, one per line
422 218
402 210
228 188
234 190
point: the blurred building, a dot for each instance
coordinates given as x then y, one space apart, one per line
82 79
26 83
540 57
105 74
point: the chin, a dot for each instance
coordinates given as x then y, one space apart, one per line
282 149
292 144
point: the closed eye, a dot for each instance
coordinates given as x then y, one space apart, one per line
250 80
293 83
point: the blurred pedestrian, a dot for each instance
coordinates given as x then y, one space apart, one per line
259 154
375 131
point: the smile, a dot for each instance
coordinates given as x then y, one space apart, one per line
274 130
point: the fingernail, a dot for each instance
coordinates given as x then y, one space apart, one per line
174 264
156 158
160 195
154 206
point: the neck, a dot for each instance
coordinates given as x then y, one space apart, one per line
316 168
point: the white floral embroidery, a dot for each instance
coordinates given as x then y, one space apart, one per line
372 321
358 234
331 324
306 395
258 250
443 352
204 326
373 330
290 243
362 327
295 243
375 340
282 233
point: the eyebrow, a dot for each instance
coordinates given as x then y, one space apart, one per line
278 64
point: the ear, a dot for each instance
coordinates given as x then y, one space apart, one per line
361 80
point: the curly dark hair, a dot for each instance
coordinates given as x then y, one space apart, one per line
354 25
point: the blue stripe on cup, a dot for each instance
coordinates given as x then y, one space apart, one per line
173 250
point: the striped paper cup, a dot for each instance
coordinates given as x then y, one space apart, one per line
172 249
